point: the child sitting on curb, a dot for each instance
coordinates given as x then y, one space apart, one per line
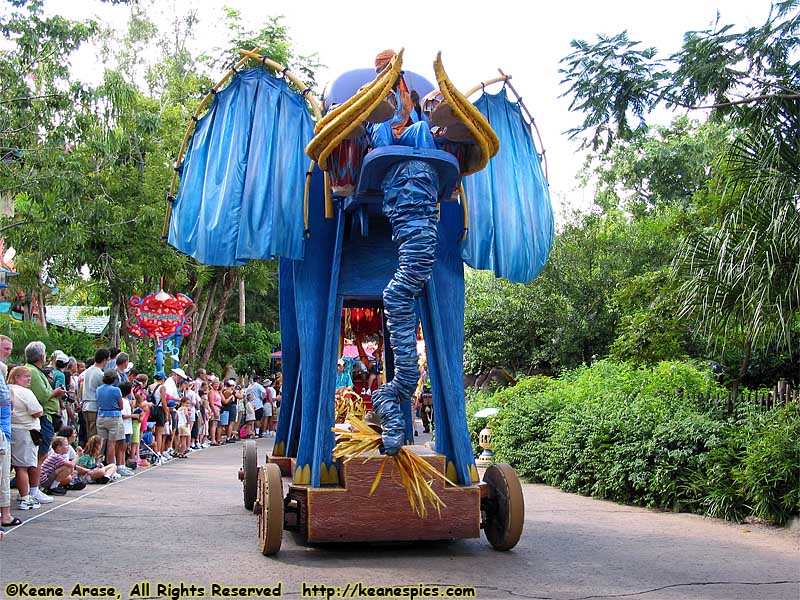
90 469
57 471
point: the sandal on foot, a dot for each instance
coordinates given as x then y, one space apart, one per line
13 523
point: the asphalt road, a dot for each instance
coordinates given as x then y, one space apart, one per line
185 522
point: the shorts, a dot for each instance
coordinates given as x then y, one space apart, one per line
23 450
224 416
268 409
259 414
158 418
46 483
47 433
128 437
184 430
249 413
110 428
232 410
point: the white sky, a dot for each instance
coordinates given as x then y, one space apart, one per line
525 39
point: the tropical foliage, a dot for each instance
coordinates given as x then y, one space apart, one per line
692 248
643 435
85 168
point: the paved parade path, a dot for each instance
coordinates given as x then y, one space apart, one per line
185 522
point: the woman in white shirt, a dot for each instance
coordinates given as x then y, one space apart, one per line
25 413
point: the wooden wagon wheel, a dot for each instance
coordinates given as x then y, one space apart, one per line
269 509
250 471
504 508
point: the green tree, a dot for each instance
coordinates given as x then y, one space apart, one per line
739 275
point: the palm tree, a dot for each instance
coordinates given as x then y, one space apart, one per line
742 280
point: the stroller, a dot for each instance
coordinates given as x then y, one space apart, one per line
146 451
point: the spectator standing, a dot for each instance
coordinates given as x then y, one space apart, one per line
6 346
50 400
257 394
109 414
112 358
25 414
92 379
5 444
129 422
184 429
215 414
121 365
269 408
159 410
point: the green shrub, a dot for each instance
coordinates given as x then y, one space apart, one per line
72 343
636 435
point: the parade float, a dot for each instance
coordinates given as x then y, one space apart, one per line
373 198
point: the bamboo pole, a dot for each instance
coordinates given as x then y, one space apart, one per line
483 84
532 120
463 193
312 101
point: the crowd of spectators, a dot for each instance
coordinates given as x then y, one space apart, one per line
65 423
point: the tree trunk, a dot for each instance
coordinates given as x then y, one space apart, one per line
131 343
202 322
228 281
42 309
748 350
113 322
241 302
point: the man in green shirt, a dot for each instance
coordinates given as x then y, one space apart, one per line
50 399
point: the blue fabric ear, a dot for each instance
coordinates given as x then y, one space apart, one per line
510 214
242 180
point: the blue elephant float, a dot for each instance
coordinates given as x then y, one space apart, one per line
407 182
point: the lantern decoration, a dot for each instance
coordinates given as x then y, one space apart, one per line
163 317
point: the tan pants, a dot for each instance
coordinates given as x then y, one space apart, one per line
90 418
5 478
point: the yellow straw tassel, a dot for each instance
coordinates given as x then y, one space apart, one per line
416 474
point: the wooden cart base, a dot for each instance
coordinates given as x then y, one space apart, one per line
347 512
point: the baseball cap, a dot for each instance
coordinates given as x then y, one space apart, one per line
161 375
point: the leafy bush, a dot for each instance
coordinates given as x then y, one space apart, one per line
248 349
636 435
72 343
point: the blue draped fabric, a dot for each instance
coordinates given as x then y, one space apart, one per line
510 215
241 193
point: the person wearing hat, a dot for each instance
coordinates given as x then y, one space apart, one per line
407 127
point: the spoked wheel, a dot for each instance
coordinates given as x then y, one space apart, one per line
269 509
504 508
250 469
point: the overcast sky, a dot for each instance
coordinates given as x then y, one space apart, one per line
525 39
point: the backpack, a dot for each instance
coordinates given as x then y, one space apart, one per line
155 404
